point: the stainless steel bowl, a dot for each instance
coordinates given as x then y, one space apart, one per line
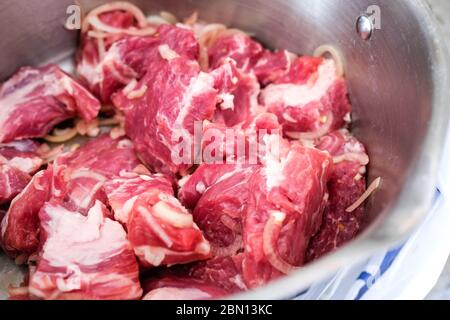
398 79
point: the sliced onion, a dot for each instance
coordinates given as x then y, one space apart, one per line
61 135
108 30
373 186
314 134
169 17
362 158
115 6
231 223
192 19
270 236
230 250
335 54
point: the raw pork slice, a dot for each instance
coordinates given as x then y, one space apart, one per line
162 109
34 100
20 227
83 257
18 161
284 211
310 101
346 185
219 194
160 230
126 59
173 288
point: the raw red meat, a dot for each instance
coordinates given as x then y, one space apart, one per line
272 66
18 160
347 183
240 144
20 227
34 100
173 288
237 46
310 101
122 192
238 95
160 229
79 176
162 109
223 272
127 57
219 194
283 212
83 257
75 180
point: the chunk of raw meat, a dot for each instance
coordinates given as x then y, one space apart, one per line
127 59
161 230
237 46
173 288
347 183
240 144
83 257
34 100
18 160
223 272
75 180
122 192
20 227
238 95
79 176
310 101
219 194
284 211
92 50
162 110
272 66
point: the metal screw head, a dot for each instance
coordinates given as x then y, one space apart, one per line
364 27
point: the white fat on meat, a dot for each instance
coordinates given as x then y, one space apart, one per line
177 294
77 240
294 95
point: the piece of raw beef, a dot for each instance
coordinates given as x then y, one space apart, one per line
311 100
218 195
347 183
174 288
126 58
83 257
20 226
75 180
18 161
34 100
163 108
284 210
160 230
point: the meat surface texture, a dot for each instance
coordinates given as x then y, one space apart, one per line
171 97
126 58
34 100
75 180
218 195
347 183
284 211
160 230
310 101
85 257
18 161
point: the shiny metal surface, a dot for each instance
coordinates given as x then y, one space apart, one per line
364 27
399 85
